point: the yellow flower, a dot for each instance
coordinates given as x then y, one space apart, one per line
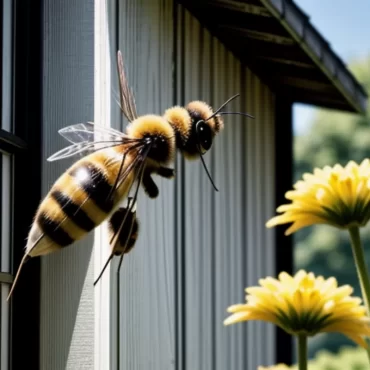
304 304
338 196
274 367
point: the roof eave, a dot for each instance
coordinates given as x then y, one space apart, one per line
297 24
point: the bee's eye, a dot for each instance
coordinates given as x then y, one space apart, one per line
204 135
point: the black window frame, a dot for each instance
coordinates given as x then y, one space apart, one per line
283 183
23 143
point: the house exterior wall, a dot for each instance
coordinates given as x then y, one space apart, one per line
197 249
225 245
67 307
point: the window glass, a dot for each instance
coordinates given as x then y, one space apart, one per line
6 217
6 50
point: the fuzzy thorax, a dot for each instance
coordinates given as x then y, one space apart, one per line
180 120
159 131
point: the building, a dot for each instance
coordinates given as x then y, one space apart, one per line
197 248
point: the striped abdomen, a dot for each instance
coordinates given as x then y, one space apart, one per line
78 201
129 232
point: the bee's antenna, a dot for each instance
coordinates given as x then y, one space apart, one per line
205 167
223 105
240 113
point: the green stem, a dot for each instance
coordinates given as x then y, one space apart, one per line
302 352
362 271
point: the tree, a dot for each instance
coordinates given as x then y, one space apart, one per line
333 137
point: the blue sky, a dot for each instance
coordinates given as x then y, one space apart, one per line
346 26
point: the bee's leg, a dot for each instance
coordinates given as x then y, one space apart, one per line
149 185
166 172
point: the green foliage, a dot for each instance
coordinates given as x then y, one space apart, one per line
334 137
348 358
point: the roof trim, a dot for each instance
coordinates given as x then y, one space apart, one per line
317 48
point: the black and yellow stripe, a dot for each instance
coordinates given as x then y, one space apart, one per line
95 184
78 202
73 210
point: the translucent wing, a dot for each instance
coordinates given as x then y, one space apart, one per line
87 138
89 132
79 148
128 106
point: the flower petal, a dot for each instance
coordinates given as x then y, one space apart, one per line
304 303
337 196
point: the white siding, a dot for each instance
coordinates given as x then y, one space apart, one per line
67 316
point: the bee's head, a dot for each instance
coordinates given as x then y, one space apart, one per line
195 127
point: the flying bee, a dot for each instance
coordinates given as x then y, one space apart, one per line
90 191
93 188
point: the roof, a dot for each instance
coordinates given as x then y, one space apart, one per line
277 41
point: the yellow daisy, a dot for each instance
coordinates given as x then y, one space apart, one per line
304 305
338 196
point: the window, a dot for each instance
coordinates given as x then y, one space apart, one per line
20 30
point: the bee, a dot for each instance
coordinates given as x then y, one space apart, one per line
113 163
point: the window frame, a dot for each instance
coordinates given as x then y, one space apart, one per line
24 142
283 167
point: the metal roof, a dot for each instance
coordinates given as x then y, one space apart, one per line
277 41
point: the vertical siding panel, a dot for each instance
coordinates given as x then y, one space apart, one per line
269 178
66 317
205 204
258 200
222 337
198 222
233 192
180 233
252 274
147 275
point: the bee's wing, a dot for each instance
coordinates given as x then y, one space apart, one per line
87 138
88 131
128 106
79 148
